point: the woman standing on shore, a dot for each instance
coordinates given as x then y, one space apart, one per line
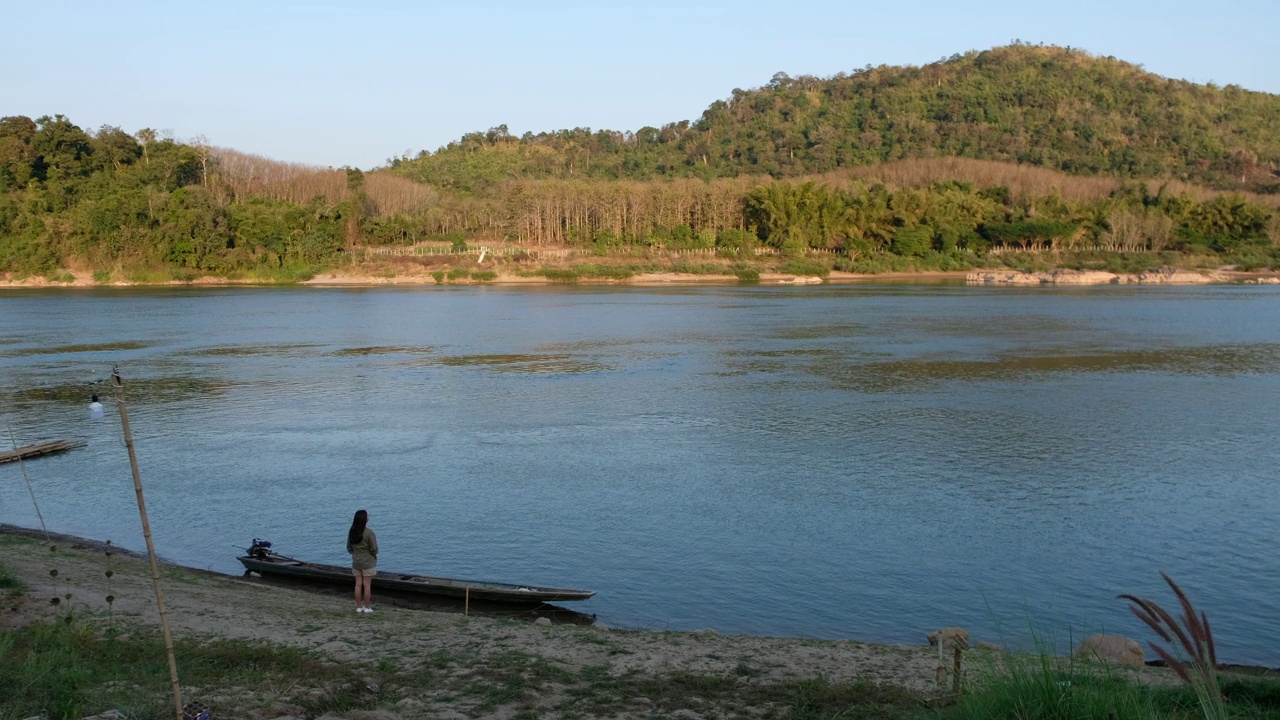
363 546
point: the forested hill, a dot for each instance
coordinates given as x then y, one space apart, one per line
1055 107
955 165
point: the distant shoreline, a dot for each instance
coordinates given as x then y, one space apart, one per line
973 277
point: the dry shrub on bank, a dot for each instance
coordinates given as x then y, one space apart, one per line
1022 180
243 175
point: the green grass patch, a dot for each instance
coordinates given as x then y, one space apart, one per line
1253 257
102 276
588 270
611 272
484 275
746 273
1040 690
438 276
494 694
146 276
1047 688
1120 263
71 670
804 700
699 268
1254 697
10 582
564 275
181 575
293 274
877 263
870 264
459 274
806 266
818 699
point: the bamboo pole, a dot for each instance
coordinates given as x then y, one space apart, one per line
26 479
146 533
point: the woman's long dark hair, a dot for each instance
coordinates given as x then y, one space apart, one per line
356 533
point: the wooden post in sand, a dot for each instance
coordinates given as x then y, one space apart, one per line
466 603
146 533
955 678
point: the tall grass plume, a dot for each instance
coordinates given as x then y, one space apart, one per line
1193 657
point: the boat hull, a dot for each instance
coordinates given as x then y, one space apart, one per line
281 566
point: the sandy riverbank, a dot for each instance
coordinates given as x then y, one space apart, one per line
971 277
356 279
412 276
397 640
645 279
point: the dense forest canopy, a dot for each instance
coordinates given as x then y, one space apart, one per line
961 163
1055 107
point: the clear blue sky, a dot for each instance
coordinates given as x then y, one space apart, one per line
333 83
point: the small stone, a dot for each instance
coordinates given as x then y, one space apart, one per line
542 621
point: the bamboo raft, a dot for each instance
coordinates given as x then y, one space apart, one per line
42 449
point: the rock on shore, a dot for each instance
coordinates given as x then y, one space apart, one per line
1160 276
1112 649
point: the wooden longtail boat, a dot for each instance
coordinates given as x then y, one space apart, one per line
266 562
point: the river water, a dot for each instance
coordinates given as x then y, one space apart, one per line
858 461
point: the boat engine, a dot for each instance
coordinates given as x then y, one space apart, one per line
260 548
